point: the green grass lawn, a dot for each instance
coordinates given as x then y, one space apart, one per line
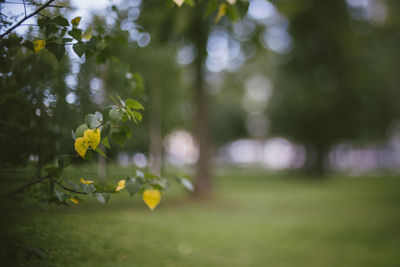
254 219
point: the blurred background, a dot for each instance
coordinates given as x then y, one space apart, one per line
287 121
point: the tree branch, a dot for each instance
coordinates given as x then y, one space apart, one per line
68 189
34 4
25 8
26 17
22 188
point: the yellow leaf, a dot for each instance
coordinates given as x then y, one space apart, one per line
121 185
83 181
38 45
74 200
81 146
221 12
75 21
179 2
151 198
87 35
92 137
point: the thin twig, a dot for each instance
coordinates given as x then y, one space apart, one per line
22 188
69 189
43 15
27 24
26 17
24 8
34 4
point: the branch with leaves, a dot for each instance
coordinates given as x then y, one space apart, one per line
106 127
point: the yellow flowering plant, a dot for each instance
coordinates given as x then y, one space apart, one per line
100 128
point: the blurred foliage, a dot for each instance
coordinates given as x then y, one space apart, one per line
336 83
32 100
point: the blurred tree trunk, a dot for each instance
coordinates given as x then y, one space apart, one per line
315 165
155 134
203 181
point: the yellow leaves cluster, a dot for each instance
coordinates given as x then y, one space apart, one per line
151 198
38 45
91 138
81 146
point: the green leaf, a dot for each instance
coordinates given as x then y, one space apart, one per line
57 49
127 130
115 115
105 114
51 39
186 184
61 21
29 45
105 129
105 142
79 48
43 22
233 13
66 40
80 130
211 8
118 138
129 112
101 152
73 135
88 155
92 121
88 189
73 185
133 185
161 184
125 117
137 116
102 197
51 28
76 34
63 32
243 6
133 104
75 21
64 161
60 195
99 115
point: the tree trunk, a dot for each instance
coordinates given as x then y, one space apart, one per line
203 181
315 165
